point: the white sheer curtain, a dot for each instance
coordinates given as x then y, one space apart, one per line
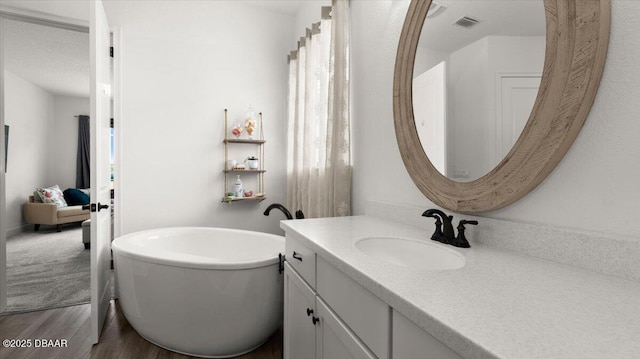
319 153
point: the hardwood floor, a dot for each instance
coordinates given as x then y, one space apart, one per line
118 341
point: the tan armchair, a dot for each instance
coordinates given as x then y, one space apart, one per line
48 213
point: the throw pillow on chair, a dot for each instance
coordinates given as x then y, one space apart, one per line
75 197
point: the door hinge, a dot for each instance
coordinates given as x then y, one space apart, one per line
111 51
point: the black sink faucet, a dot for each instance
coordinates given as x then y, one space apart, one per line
444 229
281 208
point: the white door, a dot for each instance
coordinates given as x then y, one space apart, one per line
100 168
517 96
299 311
430 113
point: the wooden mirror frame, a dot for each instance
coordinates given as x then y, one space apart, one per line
576 48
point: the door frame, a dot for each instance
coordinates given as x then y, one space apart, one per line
3 199
67 24
116 38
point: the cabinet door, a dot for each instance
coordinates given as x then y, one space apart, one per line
334 339
299 329
362 312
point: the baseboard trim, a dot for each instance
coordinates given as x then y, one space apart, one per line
21 229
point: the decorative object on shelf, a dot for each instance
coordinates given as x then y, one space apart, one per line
237 130
237 187
250 126
252 162
231 164
250 122
252 165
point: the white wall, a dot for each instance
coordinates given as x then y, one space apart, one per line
65 140
469 102
426 59
310 12
43 140
28 110
183 63
594 188
472 113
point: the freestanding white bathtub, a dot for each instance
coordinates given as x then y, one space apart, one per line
208 292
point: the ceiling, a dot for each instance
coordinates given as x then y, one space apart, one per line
79 10
54 59
58 60
289 7
74 10
496 17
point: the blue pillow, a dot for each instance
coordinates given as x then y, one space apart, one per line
75 197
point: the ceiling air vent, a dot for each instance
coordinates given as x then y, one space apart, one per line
466 22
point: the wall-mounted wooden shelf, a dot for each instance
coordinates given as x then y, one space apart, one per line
244 171
257 172
242 140
237 199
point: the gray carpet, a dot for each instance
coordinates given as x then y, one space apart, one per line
46 269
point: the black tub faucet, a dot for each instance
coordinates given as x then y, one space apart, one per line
281 208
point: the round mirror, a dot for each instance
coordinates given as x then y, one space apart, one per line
575 47
475 83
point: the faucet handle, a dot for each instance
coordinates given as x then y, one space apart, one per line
461 240
437 234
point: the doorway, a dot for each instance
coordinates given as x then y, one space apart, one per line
46 89
516 96
53 24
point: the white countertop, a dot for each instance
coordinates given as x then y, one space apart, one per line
499 305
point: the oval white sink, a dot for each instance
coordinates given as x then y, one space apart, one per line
411 253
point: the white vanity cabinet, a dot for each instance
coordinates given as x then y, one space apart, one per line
312 330
311 327
327 315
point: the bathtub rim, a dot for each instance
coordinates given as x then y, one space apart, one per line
181 260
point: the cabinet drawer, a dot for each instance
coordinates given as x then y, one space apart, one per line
301 258
367 316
